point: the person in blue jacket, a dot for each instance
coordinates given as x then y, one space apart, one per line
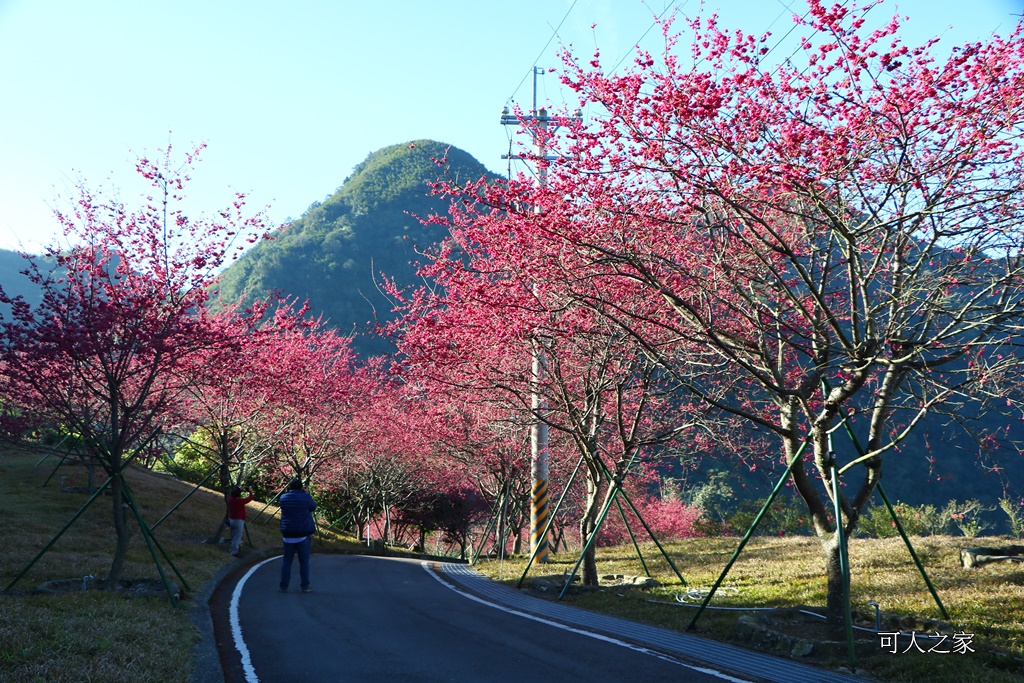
297 529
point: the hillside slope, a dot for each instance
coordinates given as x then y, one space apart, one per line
335 253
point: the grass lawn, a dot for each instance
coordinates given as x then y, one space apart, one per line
100 635
986 602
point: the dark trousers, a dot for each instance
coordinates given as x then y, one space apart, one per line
290 549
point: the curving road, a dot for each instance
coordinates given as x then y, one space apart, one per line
387 619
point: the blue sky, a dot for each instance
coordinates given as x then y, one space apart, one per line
290 96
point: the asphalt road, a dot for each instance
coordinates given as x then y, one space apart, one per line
385 619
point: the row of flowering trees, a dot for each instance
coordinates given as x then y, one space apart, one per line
750 258
125 352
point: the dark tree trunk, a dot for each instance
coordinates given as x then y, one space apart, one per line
224 478
122 530
588 526
517 534
834 607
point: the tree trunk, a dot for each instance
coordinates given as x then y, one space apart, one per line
224 477
557 537
216 535
588 526
501 534
834 608
517 532
122 530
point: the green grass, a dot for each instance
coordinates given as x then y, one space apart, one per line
786 572
99 635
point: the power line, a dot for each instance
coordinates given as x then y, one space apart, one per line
542 50
637 43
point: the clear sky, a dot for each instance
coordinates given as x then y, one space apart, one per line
290 96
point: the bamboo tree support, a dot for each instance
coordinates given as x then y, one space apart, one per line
632 537
268 504
844 560
151 541
182 501
551 520
913 553
60 462
63 459
51 451
746 538
60 533
491 521
167 557
616 486
347 517
646 528
896 520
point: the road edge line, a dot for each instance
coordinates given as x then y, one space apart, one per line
573 629
236 624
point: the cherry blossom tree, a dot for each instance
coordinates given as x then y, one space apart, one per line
836 238
313 388
222 414
495 307
491 444
122 314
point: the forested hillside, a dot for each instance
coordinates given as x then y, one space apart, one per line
12 280
335 253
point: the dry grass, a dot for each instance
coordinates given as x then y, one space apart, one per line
98 635
786 572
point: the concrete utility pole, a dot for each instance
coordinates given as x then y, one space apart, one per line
539 431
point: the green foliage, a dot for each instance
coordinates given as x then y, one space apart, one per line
191 461
1015 513
787 515
714 499
967 516
723 512
920 520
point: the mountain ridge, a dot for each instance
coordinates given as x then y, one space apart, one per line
335 252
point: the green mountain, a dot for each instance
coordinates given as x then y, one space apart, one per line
335 253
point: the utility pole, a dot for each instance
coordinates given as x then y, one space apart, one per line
539 431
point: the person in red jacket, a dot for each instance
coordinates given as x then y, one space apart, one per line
236 516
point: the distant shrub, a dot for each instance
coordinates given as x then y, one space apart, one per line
786 516
966 516
190 461
1015 512
714 501
923 520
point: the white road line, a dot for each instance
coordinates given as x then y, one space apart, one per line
236 625
590 634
